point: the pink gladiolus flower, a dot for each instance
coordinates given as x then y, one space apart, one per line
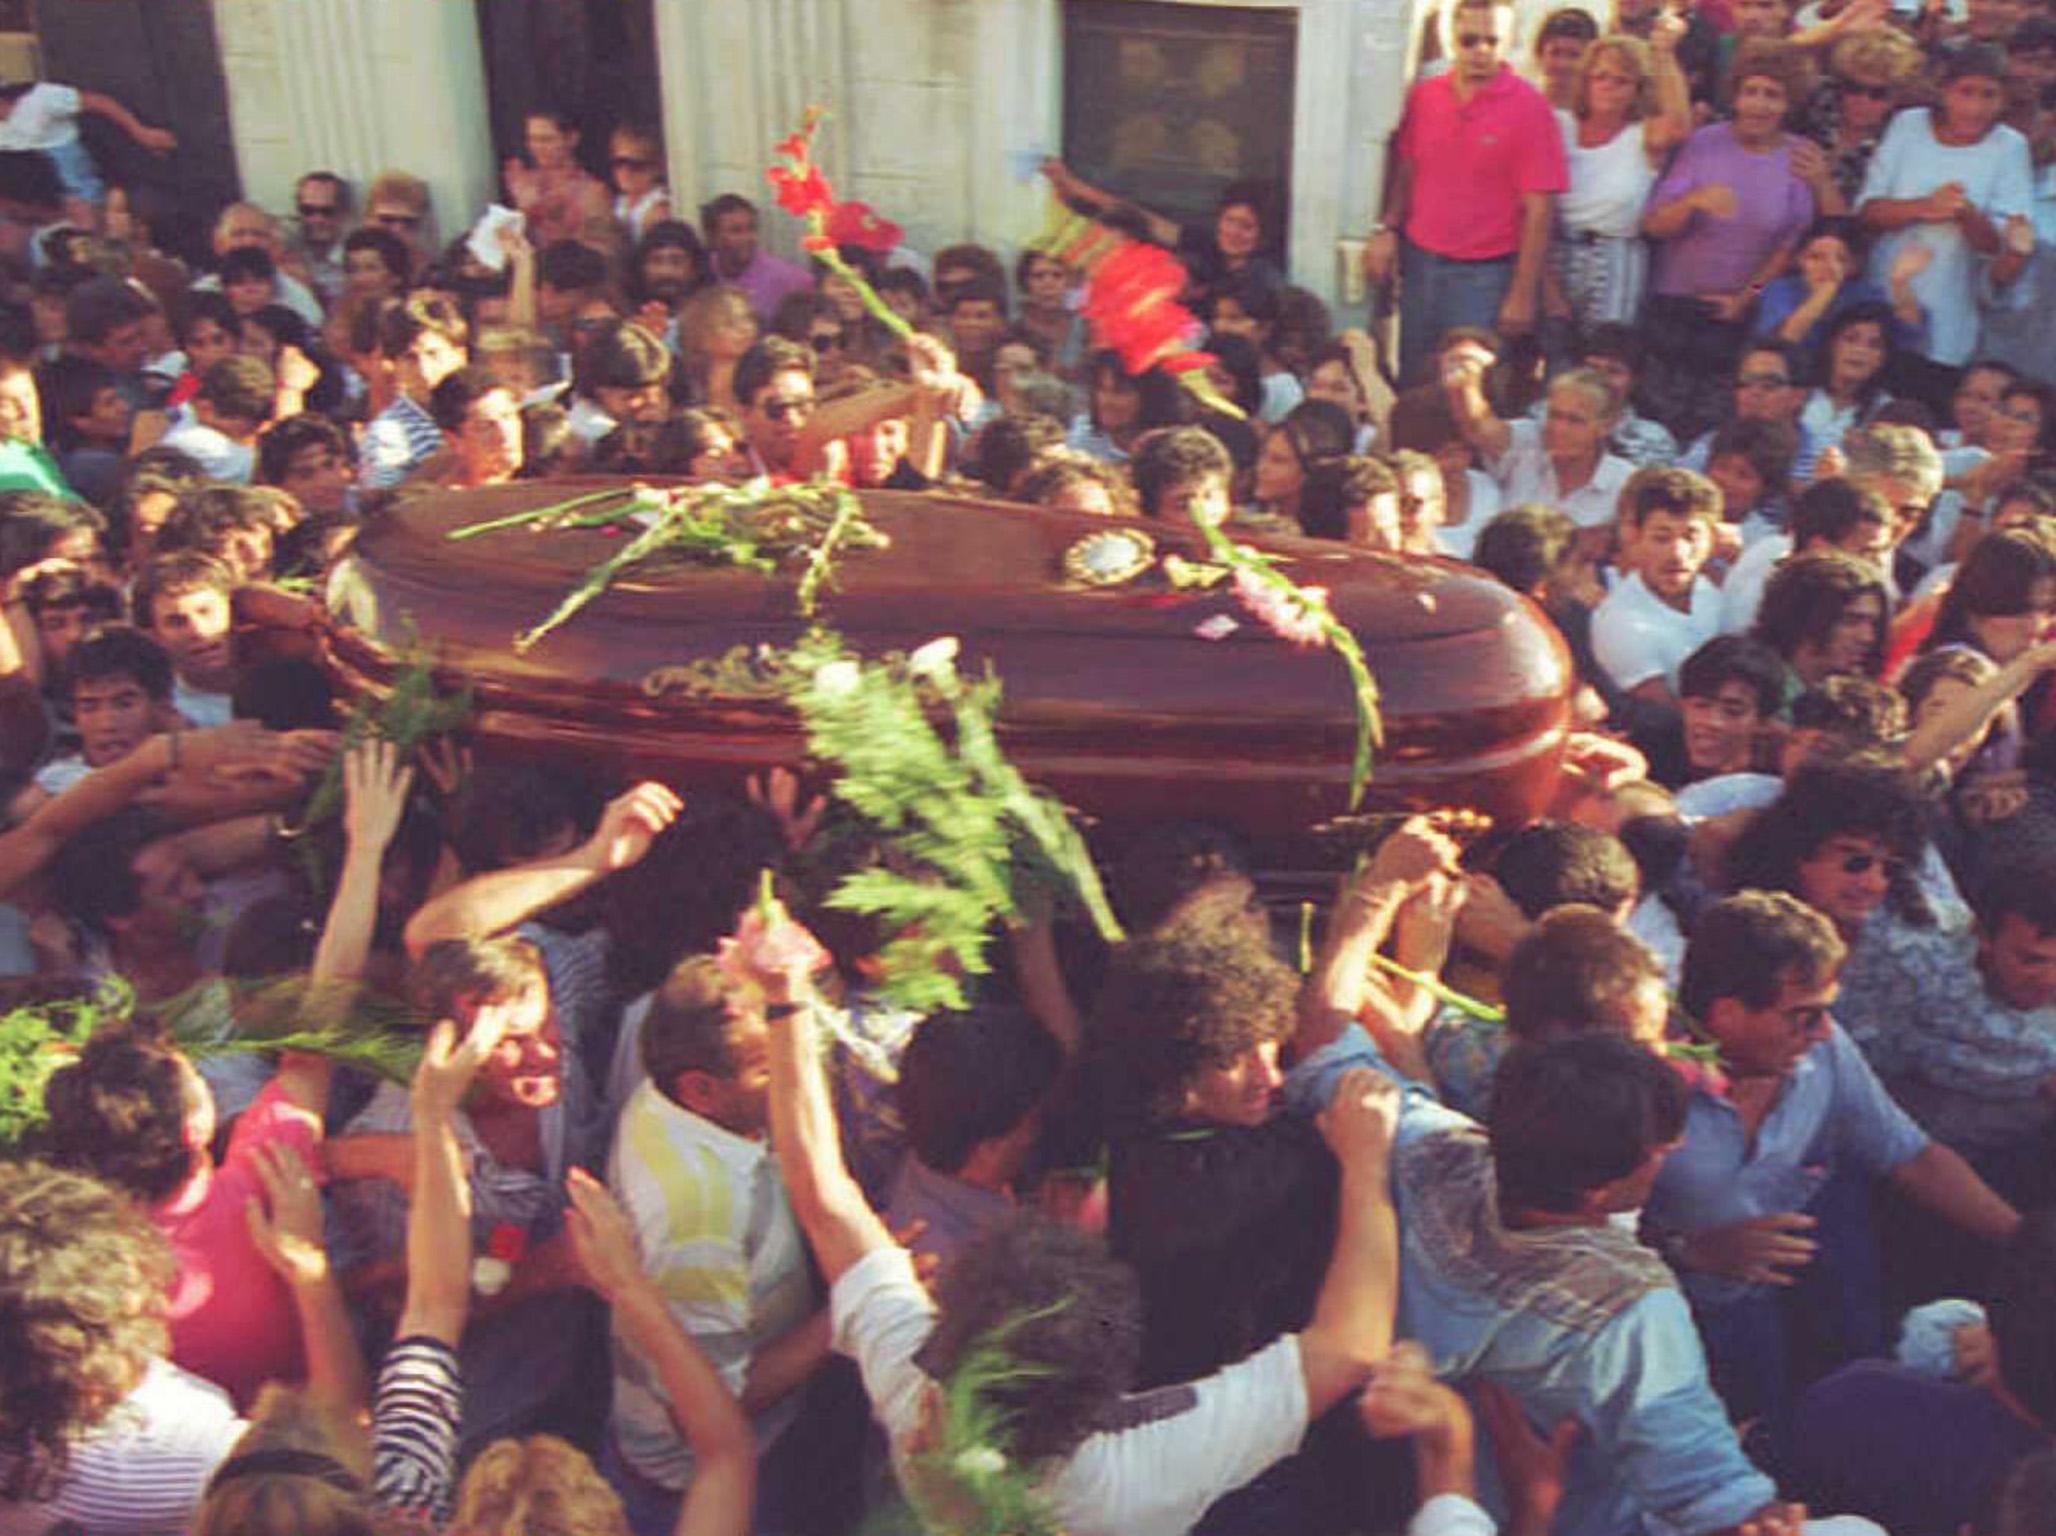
1299 617
760 950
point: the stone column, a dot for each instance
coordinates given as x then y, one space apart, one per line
359 87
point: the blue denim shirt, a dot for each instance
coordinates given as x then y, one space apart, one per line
1832 1111
1583 1323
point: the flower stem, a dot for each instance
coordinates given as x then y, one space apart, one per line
880 311
1461 1001
538 514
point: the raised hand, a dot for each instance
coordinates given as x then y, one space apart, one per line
1361 1117
449 1064
602 1237
285 1225
375 786
630 824
779 793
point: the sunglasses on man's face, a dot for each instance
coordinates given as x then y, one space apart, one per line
1477 40
316 210
630 163
785 409
1874 92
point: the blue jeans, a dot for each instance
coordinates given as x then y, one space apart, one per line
1436 295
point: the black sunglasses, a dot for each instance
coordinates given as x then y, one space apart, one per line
826 341
317 210
780 410
1477 40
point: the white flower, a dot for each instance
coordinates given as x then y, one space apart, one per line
980 1461
935 658
837 679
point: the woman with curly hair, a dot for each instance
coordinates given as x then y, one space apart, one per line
98 1430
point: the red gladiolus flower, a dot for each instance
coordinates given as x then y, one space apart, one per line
860 225
1131 304
1186 362
803 192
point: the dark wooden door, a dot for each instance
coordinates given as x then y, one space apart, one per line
161 61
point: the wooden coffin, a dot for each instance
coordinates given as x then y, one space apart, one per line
1112 697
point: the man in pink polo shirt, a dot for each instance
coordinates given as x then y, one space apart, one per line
1468 204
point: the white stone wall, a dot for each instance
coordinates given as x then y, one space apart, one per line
358 87
937 105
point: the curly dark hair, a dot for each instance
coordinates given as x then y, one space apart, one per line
1805 596
80 1265
1194 995
119 1113
1082 1328
1865 795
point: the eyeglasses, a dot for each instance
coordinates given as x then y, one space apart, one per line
316 210
826 341
1864 863
1858 88
629 163
1477 40
783 409
397 220
1764 381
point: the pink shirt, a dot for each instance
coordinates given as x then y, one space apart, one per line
1473 159
232 1318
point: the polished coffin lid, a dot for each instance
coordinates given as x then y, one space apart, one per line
1112 697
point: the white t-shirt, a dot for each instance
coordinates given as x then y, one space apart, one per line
1459 541
1179 1449
219 456
1998 178
46 116
1636 635
1524 474
1742 593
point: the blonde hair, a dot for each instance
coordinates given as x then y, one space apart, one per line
540 1486
1879 56
706 309
279 1503
1635 53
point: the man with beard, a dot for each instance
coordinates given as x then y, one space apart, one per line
669 265
1663 609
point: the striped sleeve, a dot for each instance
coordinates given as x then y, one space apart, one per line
414 1428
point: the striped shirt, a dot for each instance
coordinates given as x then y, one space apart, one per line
144 1469
719 1239
397 441
414 1429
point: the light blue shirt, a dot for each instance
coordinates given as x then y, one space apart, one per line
1832 1111
1578 1322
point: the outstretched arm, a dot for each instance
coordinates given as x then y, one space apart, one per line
504 898
782 958
724 1450
159 141
1352 1326
1075 189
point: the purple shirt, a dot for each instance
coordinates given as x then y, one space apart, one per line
767 280
1723 255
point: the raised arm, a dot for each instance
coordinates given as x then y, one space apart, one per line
28 847
1073 188
1351 1329
375 786
783 958
286 1228
1463 379
159 141
504 898
1341 981
1672 120
724 1450
439 1216
1967 713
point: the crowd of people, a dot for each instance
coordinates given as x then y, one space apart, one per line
1682 1160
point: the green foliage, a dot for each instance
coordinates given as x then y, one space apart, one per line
960 824
413 713
756 527
35 1040
340 1021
